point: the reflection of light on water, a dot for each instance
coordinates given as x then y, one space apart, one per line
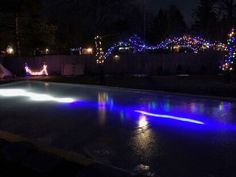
143 139
142 121
34 96
102 107
104 103
105 100
170 117
222 112
201 108
223 106
193 108
102 115
167 106
143 142
46 84
122 115
152 105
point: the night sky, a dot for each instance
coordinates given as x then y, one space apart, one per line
186 6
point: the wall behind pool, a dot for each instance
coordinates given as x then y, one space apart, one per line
207 62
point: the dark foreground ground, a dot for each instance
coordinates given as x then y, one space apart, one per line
22 158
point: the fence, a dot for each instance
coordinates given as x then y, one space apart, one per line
207 62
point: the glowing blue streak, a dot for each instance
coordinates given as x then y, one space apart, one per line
170 117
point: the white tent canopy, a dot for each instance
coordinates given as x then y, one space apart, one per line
4 72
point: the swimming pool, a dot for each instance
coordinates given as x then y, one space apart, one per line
172 134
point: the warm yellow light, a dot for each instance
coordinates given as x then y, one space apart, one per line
46 50
116 57
10 50
89 50
142 121
231 34
176 48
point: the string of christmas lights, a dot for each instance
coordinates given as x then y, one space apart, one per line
42 72
231 48
99 50
194 44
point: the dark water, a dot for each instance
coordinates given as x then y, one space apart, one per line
175 136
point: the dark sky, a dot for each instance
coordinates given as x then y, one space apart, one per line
186 6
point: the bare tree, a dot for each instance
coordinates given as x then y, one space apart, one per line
227 11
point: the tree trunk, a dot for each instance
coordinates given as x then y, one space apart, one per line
18 47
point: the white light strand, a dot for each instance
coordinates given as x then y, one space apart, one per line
99 50
42 72
37 97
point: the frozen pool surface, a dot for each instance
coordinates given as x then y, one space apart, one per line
173 135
